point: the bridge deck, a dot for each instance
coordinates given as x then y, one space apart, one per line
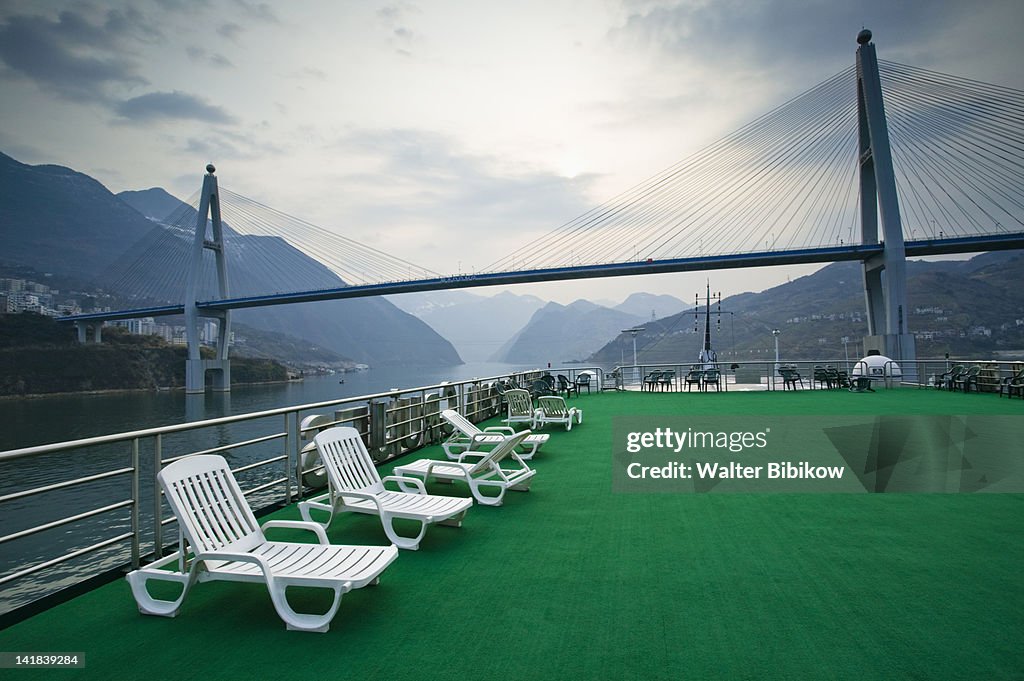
700 263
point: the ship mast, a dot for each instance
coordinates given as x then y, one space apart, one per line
708 357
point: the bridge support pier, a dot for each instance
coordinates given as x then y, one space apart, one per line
885 274
83 331
196 370
196 367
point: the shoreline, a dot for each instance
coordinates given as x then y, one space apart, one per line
121 391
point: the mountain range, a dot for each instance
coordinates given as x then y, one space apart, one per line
476 325
570 333
964 307
561 333
523 329
60 221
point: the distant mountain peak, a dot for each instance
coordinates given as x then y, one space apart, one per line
156 203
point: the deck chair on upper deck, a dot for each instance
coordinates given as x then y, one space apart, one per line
790 377
355 485
695 377
965 380
552 409
713 377
486 473
1012 384
541 387
520 407
564 386
947 380
468 438
668 380
216 524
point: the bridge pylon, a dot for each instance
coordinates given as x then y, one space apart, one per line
195 366
885 274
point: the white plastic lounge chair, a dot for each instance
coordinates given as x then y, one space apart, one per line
486 473
520 407
554 410
221 530
355 485
467 438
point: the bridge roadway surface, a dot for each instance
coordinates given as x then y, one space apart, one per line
862 252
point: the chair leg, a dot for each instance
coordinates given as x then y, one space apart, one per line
296 621
526 451
484 499
410 543
454 521
148 605
316 503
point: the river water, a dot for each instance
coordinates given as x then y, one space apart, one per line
35 421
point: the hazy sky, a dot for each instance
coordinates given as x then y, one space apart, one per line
427 129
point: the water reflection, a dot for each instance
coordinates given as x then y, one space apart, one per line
35 421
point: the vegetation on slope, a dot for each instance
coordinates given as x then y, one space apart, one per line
39 356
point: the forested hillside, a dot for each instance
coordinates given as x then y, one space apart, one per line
39 356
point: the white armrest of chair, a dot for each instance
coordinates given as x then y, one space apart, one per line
505 430
472 454
361 495
450 464
315 528
403 480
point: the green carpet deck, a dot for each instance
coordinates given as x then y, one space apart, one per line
571 581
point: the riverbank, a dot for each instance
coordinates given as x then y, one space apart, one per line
91 369
135 391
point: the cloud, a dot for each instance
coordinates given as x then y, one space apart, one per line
310 72
183 5
394 18
786 45
73 57
261 11
230 30
223 145
424 178
175 105
215 59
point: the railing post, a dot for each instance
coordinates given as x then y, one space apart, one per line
292 459
158 509
135 504
378 434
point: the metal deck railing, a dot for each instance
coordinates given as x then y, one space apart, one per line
73 510
77 509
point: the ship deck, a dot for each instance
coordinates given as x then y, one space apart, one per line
572 580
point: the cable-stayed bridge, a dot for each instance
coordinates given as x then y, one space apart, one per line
880 161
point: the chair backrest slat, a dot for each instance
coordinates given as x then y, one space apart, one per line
553 406
209 504
348 464
209 507
519 403
502 451
460 422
